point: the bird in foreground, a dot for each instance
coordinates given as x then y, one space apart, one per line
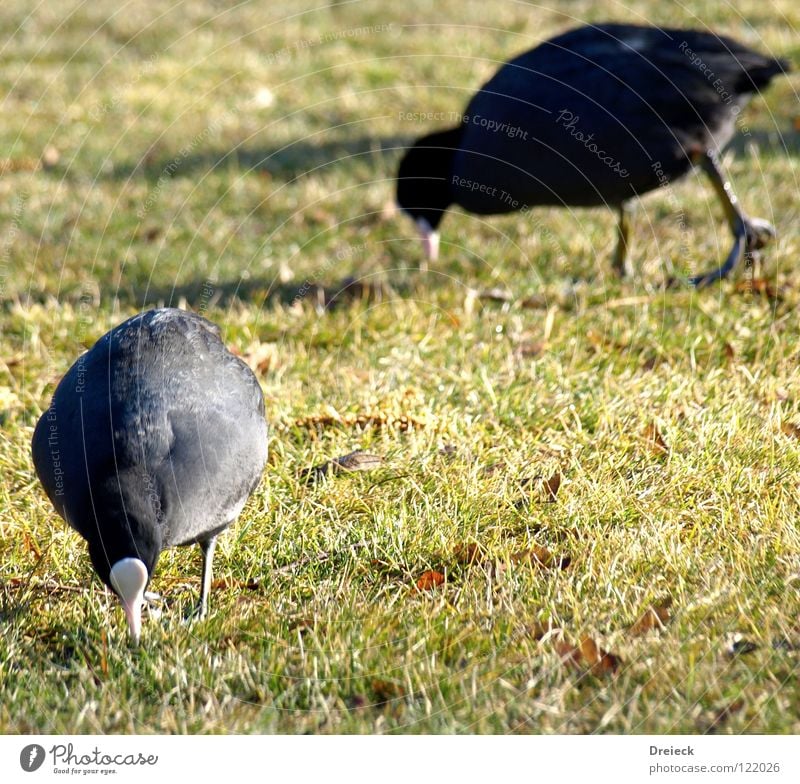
593 117
154 438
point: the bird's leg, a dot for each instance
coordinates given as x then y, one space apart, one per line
207 547
749 234
620 262
759 233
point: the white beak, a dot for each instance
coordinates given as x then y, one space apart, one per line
129 578
430 239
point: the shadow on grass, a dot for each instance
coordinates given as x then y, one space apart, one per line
199 295
770 143
286 162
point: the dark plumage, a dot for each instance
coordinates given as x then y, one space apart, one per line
592 117
155 438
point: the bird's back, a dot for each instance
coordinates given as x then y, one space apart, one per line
598 114
157 417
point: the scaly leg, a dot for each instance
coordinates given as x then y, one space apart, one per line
207 547
749 234
620 262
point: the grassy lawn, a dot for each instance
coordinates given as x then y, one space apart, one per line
238 160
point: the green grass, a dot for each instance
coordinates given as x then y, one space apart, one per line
174 182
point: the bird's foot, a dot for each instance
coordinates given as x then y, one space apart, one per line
153 602
759 233
198 613
622 266
701 281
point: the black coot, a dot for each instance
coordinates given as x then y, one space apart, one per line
155 438
593 117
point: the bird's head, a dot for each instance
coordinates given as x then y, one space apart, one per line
423 184
125 564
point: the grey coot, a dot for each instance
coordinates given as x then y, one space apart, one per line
593 117
155 438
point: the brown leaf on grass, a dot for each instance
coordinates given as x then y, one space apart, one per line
469 553
541 556
551 486
531 348
761 286
302 625
536 630
384 691
588 657
656 616
474 554
599 342
224 583
535 302
790 429
600 662
349 463
362 421
104 653
391 412
430 580
730 352
30 544
12 361
654 440
19 164
261 357
569 654
548 487
151 234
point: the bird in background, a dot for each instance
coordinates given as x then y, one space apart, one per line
155 438
594 117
